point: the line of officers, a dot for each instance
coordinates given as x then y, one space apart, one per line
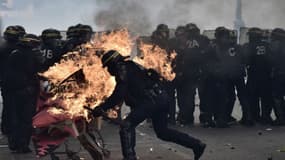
221 70
22 57
217 69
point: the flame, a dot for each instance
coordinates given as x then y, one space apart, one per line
98 84
154 57
119 40
95 83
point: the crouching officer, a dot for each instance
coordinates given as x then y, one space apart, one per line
22 84
141 89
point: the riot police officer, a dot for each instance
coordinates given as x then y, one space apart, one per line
77 35
11 37
160 37
259 69
21 82
148 98
278 73
216 82
192 74
234 63
50 48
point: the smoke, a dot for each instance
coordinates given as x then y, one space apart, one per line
123 13
264 13
143 16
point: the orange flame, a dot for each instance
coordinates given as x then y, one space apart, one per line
99 84
154 57
119 40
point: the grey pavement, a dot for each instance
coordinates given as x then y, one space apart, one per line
235 143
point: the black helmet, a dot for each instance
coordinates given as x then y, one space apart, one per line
72 32
85 32
30 40
21 29
162 27
278 34
13 33
180 30
255 32
85 29
51 34
221 32
192 28
112 57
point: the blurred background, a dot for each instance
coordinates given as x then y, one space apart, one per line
141 16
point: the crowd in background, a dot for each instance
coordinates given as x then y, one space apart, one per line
219 69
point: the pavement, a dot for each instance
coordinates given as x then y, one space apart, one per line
235 143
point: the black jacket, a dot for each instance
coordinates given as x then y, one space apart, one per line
22 68
135 86
258 59
6 49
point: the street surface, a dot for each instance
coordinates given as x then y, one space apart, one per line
235 143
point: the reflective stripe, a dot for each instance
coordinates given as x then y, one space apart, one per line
111 57
51 35
11 31
29 39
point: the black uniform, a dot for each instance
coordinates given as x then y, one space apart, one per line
234 63
216 85
191 65
148 98
22 86
11 36
259 79
5 50
278 78
50 53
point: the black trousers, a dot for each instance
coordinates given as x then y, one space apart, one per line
158 114
278 90
260 93
186 99
215 92
238 84
23 107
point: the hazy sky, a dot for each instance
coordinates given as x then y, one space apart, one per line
37 15
143 15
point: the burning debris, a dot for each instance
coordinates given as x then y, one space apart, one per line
89 84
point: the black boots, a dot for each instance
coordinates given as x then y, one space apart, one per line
279 112
128 142
199 150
